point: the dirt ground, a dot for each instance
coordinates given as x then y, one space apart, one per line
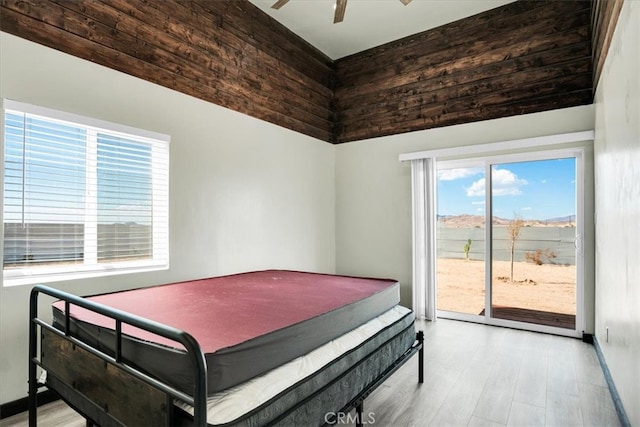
544 287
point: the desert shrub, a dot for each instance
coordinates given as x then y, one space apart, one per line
540 256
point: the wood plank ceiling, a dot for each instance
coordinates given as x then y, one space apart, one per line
604 17
525 57
227 52
521 58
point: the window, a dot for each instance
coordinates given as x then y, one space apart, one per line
82 197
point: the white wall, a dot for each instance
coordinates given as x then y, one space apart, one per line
373 191
617 162
244 194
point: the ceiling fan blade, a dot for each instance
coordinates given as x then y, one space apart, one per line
341 7
405 2
279 4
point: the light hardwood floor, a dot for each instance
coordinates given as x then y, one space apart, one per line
475 375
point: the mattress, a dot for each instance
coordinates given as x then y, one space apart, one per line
246 324
302 391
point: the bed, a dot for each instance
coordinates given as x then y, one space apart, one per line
261 348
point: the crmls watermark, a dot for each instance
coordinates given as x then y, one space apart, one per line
337 418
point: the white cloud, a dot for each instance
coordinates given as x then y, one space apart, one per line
477 188
504 183
459 173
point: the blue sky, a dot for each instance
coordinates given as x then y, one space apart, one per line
542 189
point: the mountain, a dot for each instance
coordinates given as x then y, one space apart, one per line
568 218
474 221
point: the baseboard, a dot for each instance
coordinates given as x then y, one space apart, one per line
622 415
19 406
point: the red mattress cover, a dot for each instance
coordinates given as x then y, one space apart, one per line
225 311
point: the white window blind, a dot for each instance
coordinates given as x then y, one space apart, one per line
82 197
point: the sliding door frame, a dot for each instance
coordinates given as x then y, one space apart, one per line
580 141
488 162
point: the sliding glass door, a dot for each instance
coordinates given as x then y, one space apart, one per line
508 240
460 240
533 242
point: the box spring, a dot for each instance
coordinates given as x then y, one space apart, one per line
310 400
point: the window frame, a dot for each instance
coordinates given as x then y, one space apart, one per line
159 144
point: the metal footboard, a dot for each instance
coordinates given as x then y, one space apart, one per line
39 328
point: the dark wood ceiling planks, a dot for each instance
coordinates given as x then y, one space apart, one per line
227 52
604 16
525 57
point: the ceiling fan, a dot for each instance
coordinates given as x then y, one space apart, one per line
341 7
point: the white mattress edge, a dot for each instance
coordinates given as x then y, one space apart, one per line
230 404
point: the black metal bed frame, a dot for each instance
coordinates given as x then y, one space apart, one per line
199 399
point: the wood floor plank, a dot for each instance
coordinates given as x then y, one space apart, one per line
522 414
495 402
597 406
54 414
587 365
531 387
563 410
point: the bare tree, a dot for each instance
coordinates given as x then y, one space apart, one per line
513 230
